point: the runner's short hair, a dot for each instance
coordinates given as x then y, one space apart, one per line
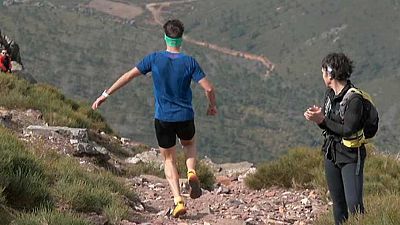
341 67
174 28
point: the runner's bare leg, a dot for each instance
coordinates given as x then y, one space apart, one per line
190 149
170 170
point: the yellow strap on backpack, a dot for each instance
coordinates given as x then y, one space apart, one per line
357 139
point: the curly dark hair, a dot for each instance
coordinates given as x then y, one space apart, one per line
174 28
341 65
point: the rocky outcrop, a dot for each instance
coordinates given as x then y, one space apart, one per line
12 2
153 156
78 134
12 48
78 137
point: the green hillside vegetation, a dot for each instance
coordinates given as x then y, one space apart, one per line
303 168
83 51
56 108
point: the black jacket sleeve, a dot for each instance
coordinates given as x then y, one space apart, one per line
352 119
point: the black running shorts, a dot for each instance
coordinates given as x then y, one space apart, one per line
167 132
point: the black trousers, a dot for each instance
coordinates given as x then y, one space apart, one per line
346 189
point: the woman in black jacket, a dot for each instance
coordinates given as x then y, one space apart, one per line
343 165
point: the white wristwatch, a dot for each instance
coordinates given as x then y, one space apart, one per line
105 94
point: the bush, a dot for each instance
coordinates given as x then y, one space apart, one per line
88 191
143 168
117 210
206 176
300 167
83 197
203 171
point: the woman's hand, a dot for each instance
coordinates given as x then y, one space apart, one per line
314 114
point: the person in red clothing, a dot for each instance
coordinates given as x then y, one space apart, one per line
5 61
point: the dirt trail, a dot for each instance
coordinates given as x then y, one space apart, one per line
116 9
156 10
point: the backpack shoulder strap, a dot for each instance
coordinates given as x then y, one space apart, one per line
366 96
352 92
327 101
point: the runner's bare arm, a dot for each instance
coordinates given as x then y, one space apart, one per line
210 93
122 81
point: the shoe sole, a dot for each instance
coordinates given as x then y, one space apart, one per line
195 190
179 213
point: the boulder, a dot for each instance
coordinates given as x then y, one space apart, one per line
152 156
9 44
79 134
89 150
5 118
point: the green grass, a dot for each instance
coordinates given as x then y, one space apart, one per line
22 176
56 108
5 216
381 174
37 180
2 196
143 168
87 191
299 168
49 217
117 210
380 210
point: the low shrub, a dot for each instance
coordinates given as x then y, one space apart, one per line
49 217
300 167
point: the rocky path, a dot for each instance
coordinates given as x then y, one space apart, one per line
229 204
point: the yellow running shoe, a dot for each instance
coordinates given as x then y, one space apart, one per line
179 209
194 183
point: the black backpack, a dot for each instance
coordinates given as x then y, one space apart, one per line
370 114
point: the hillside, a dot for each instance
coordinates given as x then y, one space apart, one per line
82 50
58 175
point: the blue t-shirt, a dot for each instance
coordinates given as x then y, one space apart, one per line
172 74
